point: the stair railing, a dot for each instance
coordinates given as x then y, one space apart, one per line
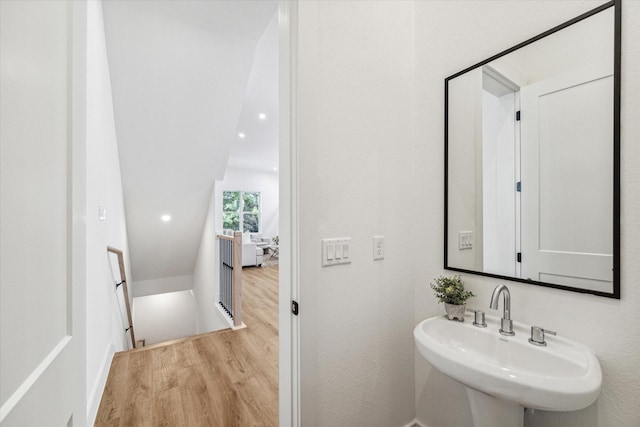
230 266
125 290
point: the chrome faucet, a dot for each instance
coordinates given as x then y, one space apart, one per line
506 324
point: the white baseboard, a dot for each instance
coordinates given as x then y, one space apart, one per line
242 326
415 423
225 316
93 403
229 319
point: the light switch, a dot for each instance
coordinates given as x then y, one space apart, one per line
330 252
336 251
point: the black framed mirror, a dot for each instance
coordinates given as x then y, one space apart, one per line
532 159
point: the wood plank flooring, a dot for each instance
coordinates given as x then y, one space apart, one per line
223 378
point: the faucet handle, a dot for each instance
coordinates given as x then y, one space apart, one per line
537 335
478 318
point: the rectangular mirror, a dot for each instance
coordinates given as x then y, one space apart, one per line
532 154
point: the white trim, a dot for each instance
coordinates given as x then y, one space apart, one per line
98 388
414 423
77 323
227 318
289 380
26 385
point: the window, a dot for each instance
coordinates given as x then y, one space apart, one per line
241 211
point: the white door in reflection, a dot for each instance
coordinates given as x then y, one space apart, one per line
566 228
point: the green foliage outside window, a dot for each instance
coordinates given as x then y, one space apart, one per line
231 221
251 202
251 223
241 210
231 201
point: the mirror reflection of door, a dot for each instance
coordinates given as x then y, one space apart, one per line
554 238
530 160
568 235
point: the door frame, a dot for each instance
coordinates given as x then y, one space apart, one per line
289 333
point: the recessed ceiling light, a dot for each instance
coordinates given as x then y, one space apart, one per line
241 135
262 116
275 168
166 218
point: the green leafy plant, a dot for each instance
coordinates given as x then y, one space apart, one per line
451 290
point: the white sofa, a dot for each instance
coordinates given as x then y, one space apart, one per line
251 254
259 240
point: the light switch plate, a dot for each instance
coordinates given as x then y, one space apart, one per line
378 247
465 240
336 251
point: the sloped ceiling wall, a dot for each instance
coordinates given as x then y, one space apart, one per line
179 71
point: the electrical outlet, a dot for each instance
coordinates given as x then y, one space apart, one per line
378 247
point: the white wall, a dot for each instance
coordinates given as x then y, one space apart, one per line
588 42
467 32
357 179
106 318
162 285
465 168
250 180
205 276
164 317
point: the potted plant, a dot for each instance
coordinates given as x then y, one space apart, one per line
450 291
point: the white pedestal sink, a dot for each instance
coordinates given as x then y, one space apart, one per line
503 375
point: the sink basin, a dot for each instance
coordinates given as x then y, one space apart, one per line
563 376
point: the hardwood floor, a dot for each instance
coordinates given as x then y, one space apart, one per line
223 378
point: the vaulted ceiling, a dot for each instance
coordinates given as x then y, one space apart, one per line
181 74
